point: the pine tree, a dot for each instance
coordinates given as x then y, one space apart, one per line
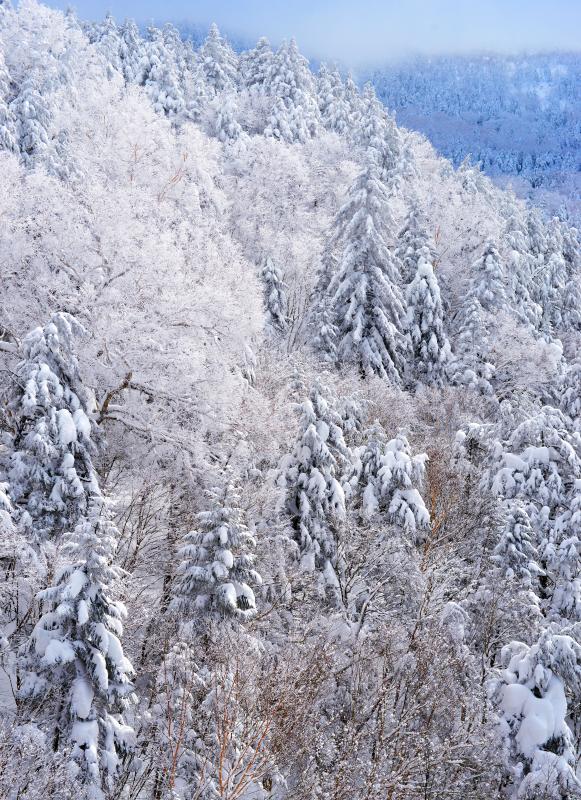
133 53
412 241
364 295
570 394
313 496
33 120
48 460
387 481
531 695
217 568
162 81
256 65
275 303
489 279
379 137
8 133
515 554
431 354
227 127
76 673
471 367
218 62
295 114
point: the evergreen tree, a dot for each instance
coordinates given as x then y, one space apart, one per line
162 81
218 62
335 112
570 394
531 694
256 65
387 481
227 127
48 460
275 303
313 496
515 554
78 681
431 354
412 241
379 137
364 295
489 279
133 53
107 38
8 132
33 119
217 569
471 367
295 114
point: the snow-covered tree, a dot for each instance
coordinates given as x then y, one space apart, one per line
314 498
218 62
162 79
431 355
489 279
471 367
570 394
377 134
77 680
295 113
8 132
33 120
364 295
256 65
133 53
388 479
226 127
532 695
275 302
48 460
217 573
412 241
335 111
515 555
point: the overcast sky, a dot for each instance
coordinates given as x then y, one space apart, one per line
359 31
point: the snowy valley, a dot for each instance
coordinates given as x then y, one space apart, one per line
290 438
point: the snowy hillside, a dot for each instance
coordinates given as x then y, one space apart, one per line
517 116
290 439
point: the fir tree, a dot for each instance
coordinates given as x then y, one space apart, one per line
489 279
431 354
8 132
313 496
218 62
48 461
256 65
275 303
33 119
227 127
378 135
412 242
217 568
364 295
295 114
76 672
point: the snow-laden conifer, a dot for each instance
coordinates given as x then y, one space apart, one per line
48 461
275 302
488 279
431 355
256 65
295 114
217 573
218 62
77 679
364 295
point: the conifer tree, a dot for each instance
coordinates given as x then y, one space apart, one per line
295 114
33 119
8 133
227 127
217 569
364 295
275 303
133 53
218 62
48 461
412 241
489 279
76 673
387 481
431 354
313 496
570 394
471 367
379 137
256 65
515 555
162 81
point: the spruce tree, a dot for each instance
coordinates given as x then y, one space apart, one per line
256 65
295 114
412 241
33 120
364 295
48 459
430 348
8 132
488 279
275 303
77 680
217 573
218 62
